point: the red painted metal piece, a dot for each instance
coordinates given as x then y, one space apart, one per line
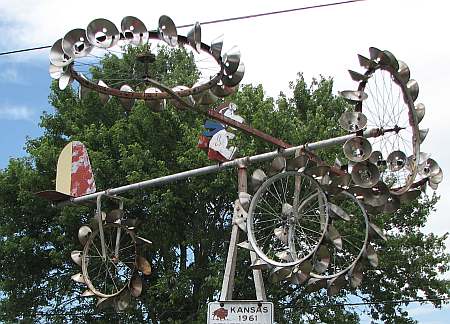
83 182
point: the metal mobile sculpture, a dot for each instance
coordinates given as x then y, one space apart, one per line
307 222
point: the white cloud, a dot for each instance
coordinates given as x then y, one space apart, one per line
11 112
10 75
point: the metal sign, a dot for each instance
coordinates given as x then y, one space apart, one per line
237 312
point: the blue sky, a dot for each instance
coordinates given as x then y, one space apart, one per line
323 41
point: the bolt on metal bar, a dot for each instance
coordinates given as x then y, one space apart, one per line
219 167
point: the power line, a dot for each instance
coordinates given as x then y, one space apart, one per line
380 302
216 21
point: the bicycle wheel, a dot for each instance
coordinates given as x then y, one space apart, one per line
287 219
136 72
350 235
107 277
388 104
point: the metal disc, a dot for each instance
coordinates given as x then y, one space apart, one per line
409 196
235 78
365 174
127 104
388 59
353 96
83 234
64 80
78 278
396 161
55 71
246 245
377 195
315 284
216 47
205 98
318 171
420 111
123 301
357 76
365 62
114 215
143 265
356 274
375 53
75 43
377 158
353 121
194 37
437 178
280 273
298 163
103 97
189 100
102 33
167 30
357 149
376 233
371 256
87 293
57 56
403 72
257 179
334 237
155 104
105 303
335 285
433 185
338 211
392 204
429 168
323 259
231 60
244 200
422 134
76 257
222 91
413 89
259 264
301 273
278 165
134 30
136 286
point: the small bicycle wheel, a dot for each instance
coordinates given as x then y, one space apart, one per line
349 236
287 219
109 276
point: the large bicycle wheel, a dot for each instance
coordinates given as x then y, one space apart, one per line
107 277
386 98
287 219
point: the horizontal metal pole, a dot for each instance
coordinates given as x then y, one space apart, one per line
218 167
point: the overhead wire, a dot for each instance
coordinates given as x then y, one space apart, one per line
216 21
379 302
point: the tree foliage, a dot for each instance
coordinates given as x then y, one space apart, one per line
189 221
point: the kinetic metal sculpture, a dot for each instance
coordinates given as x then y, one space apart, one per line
307 222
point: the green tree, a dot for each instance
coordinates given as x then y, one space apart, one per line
189 221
